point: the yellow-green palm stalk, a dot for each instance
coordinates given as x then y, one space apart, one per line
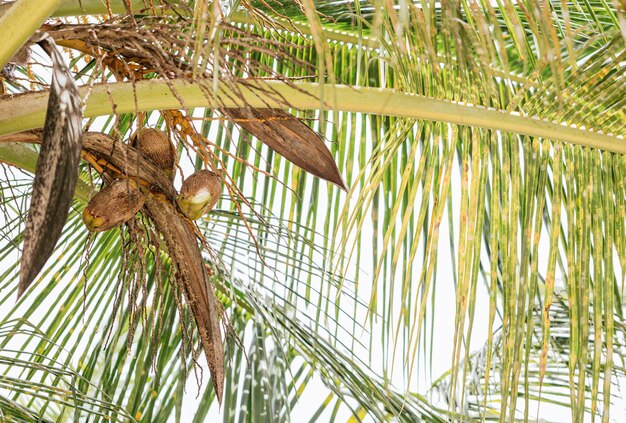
157 147
199 193
113 206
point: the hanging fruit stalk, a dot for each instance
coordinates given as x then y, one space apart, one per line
156 146
114 205
199 193
179 237
110 152
181 243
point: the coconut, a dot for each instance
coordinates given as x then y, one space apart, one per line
199 193
114 205
155 145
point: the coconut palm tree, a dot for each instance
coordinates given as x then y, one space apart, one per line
451 246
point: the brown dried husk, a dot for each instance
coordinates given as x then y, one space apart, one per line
56 172
192 277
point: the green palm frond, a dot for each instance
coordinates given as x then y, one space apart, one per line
41 382
483 395
98 339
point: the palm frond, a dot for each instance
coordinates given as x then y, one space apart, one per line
463 179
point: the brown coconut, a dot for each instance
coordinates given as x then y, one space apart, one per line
199 193
114 205
156 146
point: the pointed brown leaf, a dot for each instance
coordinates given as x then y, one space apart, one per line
291 138
191 275
57 169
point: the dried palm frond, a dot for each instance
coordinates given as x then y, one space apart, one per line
162 47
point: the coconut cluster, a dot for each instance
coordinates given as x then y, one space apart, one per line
120 201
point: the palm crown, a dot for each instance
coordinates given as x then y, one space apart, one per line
482 147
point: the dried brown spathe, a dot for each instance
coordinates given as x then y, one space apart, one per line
57 168
191 276
291 138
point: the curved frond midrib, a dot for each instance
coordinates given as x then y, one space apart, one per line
27 111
